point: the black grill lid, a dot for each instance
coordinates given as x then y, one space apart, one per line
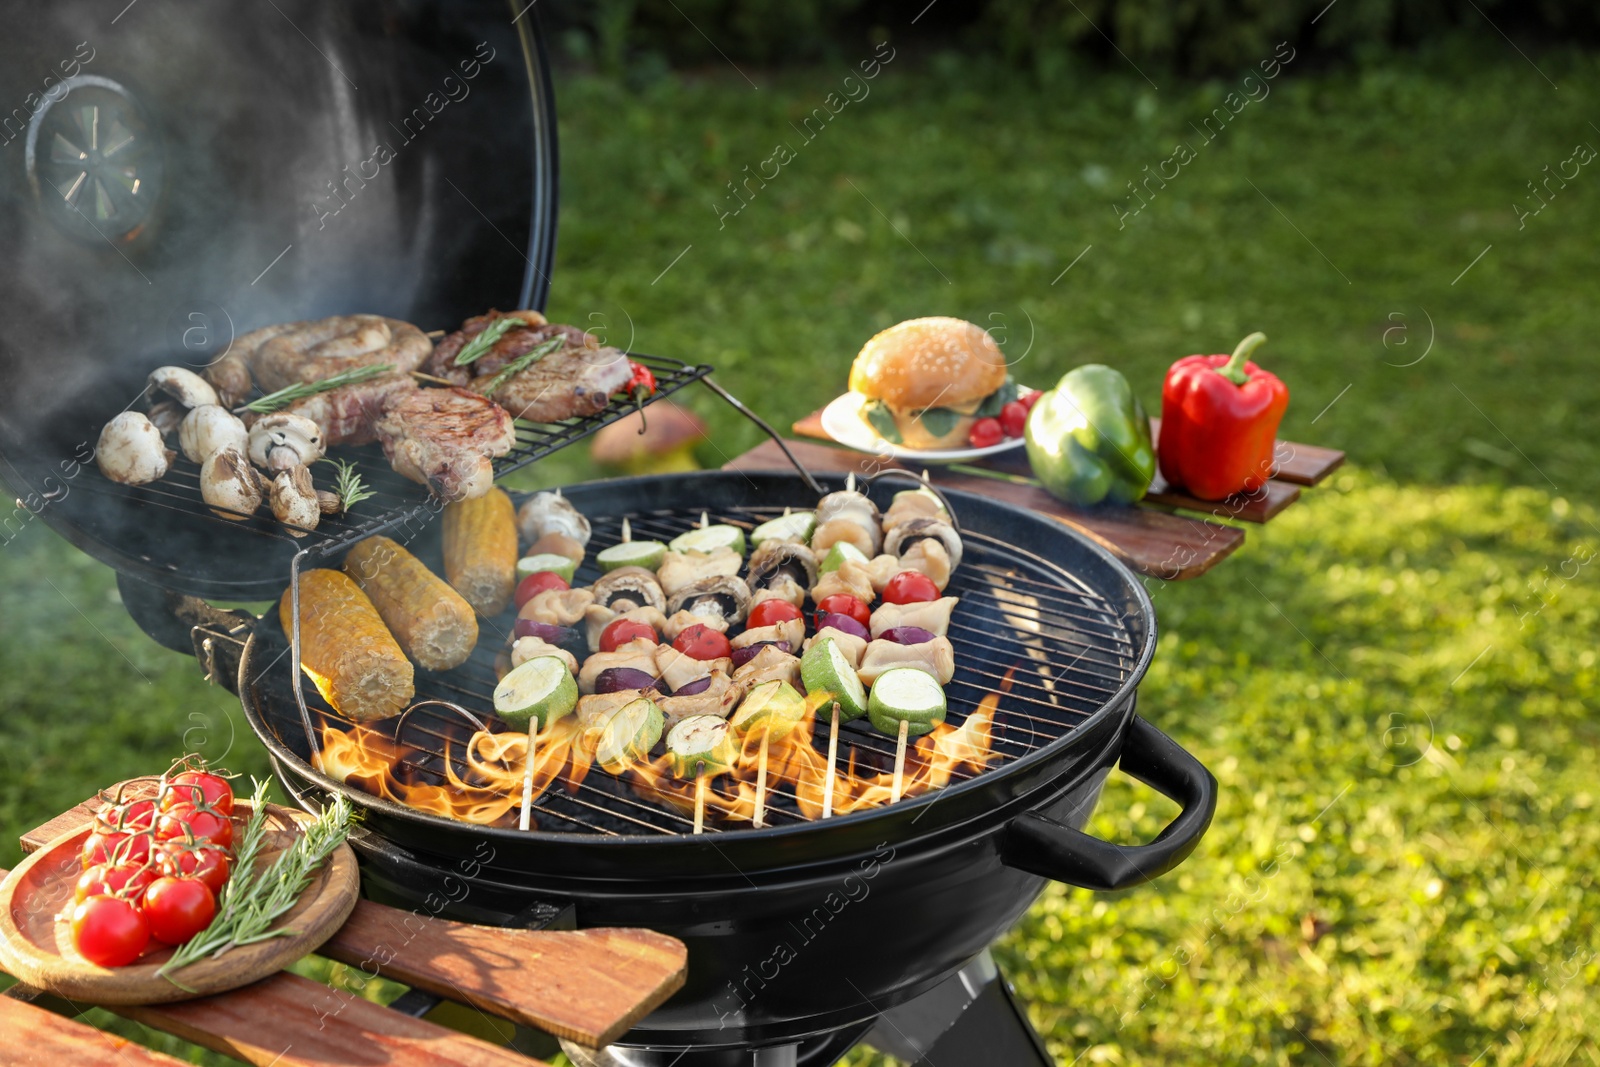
174 174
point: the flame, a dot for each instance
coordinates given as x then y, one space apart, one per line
490 790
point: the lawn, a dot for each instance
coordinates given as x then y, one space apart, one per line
1395 682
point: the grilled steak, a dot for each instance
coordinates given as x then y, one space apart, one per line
349 414
445 439
576 379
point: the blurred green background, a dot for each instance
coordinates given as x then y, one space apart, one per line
1395 682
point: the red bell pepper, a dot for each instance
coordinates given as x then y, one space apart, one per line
1219 421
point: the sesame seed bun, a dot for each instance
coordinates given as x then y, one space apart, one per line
931 362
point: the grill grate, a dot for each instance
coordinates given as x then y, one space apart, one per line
396 501
1069 651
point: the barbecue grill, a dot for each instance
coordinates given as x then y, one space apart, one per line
804 933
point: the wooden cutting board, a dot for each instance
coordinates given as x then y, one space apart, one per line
36 941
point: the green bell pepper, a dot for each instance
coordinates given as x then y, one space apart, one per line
1089 439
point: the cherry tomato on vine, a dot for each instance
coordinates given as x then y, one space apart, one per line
702 642
208 863
910 587
199 789
769 612
536 583
110 879
624 630
109 931
178 908
116 846
193 825
844 604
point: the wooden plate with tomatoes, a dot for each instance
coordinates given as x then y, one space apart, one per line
37 946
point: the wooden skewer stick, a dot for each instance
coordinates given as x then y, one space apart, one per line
705 520
761 782
850 482
700 800
833 755
431 378
899 762
627 530
527 777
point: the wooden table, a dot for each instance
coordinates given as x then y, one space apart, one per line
1151 537
588 986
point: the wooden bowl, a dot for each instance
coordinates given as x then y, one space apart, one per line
36 944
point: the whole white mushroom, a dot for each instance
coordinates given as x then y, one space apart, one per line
183 385
131 450
210 428
229 484
283 440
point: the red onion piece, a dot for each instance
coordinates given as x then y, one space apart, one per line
545 631
744 655
844 624
689 689
907 635
616 679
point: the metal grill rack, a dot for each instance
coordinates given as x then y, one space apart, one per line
1066 649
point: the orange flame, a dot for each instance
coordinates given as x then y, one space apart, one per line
491 789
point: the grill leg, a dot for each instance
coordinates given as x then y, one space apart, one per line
970 1018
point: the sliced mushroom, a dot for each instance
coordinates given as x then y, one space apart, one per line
629 587
718 597
782 559
294 500
552 513
167 416
229 484
184 386
908 533
211 428
131 451
283 440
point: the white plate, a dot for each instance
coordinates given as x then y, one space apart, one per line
844 422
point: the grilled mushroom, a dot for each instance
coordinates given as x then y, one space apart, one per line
167 415
629 587
780 559
229 484
552 513
183 385
294 500
908 533
720 597
131 451
211 428
283 440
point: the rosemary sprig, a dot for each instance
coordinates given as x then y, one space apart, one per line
520 364
282 398
351 489
255 899
485 340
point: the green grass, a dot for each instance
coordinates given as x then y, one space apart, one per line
1394 682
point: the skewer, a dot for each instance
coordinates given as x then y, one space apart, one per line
700 799
705 520
850 482
899 762
527 777
833 755
627 530
431 378
761 782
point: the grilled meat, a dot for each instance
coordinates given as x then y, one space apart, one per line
576 379
446 439
315 350
349 414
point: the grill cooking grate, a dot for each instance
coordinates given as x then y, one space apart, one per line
396 501
1070 651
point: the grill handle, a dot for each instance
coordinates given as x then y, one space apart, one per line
184 623
1040 845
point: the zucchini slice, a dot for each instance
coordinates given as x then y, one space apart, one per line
824 669
841 551
629 735
707 539
905 694
646 554
773 706
701 745
547 561
795 526
542 688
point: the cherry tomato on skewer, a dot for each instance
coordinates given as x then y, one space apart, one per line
536 583
770 612
622 631
910 587
702 642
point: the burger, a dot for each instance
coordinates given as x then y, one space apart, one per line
925 381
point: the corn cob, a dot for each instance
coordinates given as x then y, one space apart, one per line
433 624
480 550
346 650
